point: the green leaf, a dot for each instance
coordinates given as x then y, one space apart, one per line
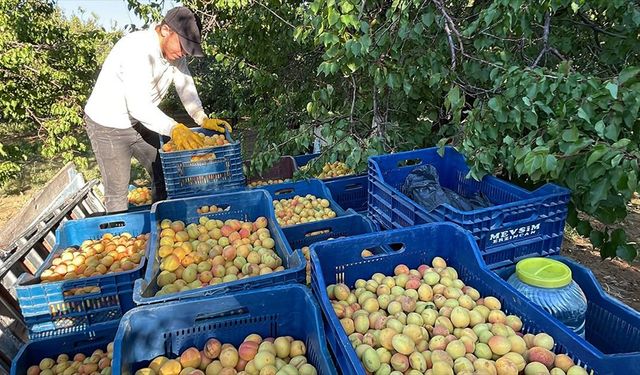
507 140
427 19
613 89
584 228
583 115
570 135
575 7
551 163
608 250
596 154
632 181
355 48
619 237
315 7
627 74
612 132
219 57
616 160
598 191
599 127
346 6
627 252
495 104
350 19
572 215
333 16
453 96
597 238
393 80
624 142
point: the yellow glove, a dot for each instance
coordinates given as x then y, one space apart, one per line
185 139
216 124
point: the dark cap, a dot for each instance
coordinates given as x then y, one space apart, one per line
187 25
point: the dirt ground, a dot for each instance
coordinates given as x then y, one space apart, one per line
617 277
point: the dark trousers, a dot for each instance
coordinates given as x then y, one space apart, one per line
114 149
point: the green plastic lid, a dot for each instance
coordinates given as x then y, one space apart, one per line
543 272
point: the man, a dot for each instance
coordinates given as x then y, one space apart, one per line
122 115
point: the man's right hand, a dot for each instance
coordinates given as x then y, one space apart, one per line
185 139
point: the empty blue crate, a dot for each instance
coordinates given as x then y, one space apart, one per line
350 192
54 306
300 236
186 174
244 206
70 343
301 188
612 329
168 329
302 160
340 261
506 231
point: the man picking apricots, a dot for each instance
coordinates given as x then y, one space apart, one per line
122 115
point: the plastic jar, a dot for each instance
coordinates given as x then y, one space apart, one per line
549 284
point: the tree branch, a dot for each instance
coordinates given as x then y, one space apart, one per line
557 53
596 27
274 13
545 39
452 24
452 47
353 99
450 29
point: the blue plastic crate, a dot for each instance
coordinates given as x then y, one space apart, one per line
606 318
312 186
302 160
300 236
168 329
349 192
45 307
184 178
71 343
516 215
244 205
340 261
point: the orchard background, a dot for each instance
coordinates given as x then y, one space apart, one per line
531 92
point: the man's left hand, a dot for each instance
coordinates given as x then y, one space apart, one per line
216 124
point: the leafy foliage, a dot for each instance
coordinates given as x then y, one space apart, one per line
531 91
47 68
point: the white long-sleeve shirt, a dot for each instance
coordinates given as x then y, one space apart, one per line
134 79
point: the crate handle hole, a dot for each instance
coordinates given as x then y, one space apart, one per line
317 232
396 246
207 317
283 191
353 187
409 162
114 224
375 251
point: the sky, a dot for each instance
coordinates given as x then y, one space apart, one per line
108 11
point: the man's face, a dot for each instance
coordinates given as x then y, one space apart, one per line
170 45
